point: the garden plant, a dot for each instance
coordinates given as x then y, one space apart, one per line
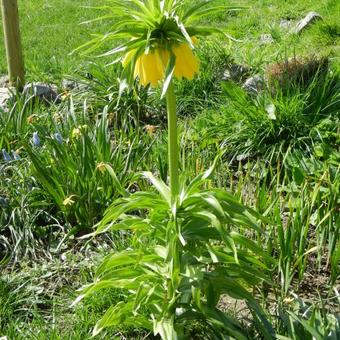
183 182
184 255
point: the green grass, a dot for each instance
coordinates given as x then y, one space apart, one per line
36 301
51 31
264 17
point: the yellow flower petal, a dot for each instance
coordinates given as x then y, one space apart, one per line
164 58
149 68
68 200
181 64
76 132
187 64
142 71
152 75
161 61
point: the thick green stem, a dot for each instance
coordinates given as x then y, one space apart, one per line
172 141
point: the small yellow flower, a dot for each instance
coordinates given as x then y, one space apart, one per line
112 116
30 119
288 300
76 132
101 167
68 201
57 117
65 95
151 129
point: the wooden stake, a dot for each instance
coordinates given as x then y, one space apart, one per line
10 18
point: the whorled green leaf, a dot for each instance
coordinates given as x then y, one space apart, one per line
180 260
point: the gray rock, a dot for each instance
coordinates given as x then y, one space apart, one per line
310 18
286 24
4 81
236 72
254 85
227 75
5 94
73 85
68 84
46 92
266 39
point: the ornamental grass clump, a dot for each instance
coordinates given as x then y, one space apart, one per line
187 243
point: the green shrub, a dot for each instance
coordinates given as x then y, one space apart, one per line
269 126
83 169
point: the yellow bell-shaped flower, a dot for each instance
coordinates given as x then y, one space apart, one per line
150 67
187 64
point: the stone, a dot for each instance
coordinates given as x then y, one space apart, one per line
266 39
285 24
236 72
310 18
4 81
68 84
4 203
5 94
227 75
45 92
254 85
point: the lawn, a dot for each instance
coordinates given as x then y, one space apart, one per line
51 30
252 250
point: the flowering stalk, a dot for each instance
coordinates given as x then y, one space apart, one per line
172 142
157 39
171 275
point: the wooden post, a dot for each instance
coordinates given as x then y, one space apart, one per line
10 19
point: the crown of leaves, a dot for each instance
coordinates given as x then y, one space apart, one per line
143 25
